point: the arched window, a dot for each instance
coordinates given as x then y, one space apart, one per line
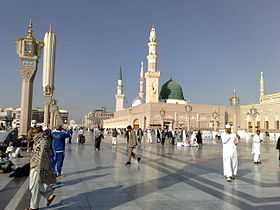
250 126
258 124
277 125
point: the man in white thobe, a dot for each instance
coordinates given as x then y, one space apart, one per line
230 161
149 136
184 138
256 148
193 139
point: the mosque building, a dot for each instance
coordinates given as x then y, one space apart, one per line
156 107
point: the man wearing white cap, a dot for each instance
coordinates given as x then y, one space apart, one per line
230 161
256 147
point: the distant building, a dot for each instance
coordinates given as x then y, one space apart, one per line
166 106
6 117
96 118
38 114
64 114
11 116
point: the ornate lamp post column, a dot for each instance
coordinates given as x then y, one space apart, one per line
175 121
198 121
130 120
253 114
188 109
28 50
162 115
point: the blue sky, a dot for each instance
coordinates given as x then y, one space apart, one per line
209 47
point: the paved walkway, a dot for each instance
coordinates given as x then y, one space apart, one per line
9 186
167 178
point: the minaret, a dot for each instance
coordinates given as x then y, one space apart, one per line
48 72
152 75
234 100
120 96
235 106
261 87
141 83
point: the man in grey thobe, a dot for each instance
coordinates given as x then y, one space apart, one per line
132 144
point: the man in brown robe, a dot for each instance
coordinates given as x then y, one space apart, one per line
41 175
132 143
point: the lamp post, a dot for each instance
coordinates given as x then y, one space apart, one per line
29 51
188 109
162 115
253 114
198 121
175 121
130 120
215 116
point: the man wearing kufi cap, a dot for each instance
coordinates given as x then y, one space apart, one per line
256 147
230 161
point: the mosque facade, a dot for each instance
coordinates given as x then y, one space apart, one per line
156 107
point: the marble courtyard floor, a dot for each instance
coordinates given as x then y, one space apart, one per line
167 178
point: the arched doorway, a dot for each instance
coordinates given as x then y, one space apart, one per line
136 123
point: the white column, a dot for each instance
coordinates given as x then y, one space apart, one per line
48 72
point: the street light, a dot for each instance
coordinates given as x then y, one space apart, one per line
130 121
253 114
162 115
188 109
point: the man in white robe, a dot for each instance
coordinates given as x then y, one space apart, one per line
256 148
193 140
230 161
149 136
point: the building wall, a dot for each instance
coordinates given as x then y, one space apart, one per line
96 118
268 115
148 115
271 98
64 115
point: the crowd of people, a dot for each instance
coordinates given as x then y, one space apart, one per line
47 149
180 137
183 138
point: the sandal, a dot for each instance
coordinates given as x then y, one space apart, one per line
50 200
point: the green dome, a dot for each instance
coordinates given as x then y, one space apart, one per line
171 90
